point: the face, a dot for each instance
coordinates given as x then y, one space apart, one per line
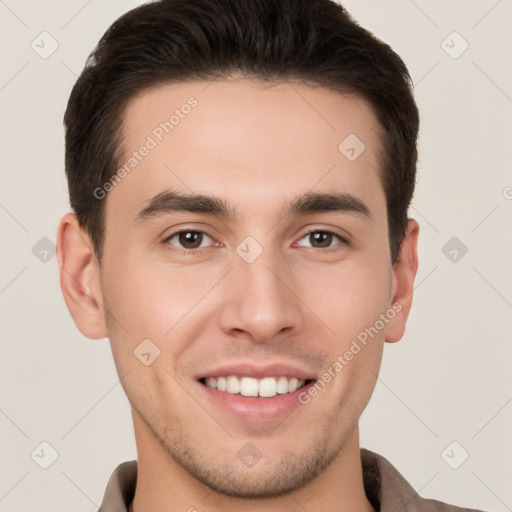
247 253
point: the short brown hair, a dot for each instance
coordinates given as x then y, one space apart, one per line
311 41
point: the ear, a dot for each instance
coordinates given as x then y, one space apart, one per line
404 273
80 278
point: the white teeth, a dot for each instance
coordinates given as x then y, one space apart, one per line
232 385
293 384
268 387
248 386
282 385
221 383
211 382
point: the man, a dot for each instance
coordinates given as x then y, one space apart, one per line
240 173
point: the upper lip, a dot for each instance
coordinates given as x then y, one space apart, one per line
259 372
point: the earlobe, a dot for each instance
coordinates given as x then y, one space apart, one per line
80 278
404 273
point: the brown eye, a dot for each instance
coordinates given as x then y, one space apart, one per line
320 239
189 239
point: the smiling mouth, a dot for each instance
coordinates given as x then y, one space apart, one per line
266 387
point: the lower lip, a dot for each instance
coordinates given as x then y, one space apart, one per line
257 408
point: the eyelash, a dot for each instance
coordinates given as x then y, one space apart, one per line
182 249
334 248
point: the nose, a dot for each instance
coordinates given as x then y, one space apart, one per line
259 300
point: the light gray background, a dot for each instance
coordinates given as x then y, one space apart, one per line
448 380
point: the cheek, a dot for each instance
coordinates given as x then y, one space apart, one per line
348 298
351 301
154 301
149 298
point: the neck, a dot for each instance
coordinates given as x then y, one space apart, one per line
164 485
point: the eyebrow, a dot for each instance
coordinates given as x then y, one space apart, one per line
327 202
172 201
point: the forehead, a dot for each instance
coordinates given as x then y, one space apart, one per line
251 143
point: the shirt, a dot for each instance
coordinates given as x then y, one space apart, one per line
386 489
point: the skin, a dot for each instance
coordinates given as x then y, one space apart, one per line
257 147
